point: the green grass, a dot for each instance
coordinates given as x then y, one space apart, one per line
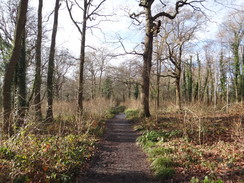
162 165
163 162
159 151
164 173
132 114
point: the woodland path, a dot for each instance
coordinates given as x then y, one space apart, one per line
119 159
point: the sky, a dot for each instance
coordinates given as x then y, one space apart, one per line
120 25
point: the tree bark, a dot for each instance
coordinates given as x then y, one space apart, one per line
21 82
178 93
9 74
235 48
49 115
82 60
38 80
147 61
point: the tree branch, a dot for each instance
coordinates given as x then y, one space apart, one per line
71 16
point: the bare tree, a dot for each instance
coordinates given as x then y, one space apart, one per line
64 61
96 63
152 28
179 32
90 12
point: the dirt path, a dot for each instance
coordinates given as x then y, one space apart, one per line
119 160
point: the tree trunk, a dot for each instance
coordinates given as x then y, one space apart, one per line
158 83
242 76
147 62
82 60
21 83
235 48
178 93
199 78
38 80
189 80
49 116
9 74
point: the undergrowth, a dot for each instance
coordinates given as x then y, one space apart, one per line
37 158
194 147
53 151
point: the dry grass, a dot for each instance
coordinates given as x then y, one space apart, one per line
133 104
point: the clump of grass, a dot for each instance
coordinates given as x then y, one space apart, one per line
132 114
163 168
159 151
163 173
162 162
162 165
156 136
148 138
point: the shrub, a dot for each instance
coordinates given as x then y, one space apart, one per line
37 158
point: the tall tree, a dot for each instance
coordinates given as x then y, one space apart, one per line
38 80
21 82
152 29
242 77
90 11
50 72
9 74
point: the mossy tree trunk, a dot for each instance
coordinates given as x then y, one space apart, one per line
38 79
11 67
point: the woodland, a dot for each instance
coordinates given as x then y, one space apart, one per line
184 94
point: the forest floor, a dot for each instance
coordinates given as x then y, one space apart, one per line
118 159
